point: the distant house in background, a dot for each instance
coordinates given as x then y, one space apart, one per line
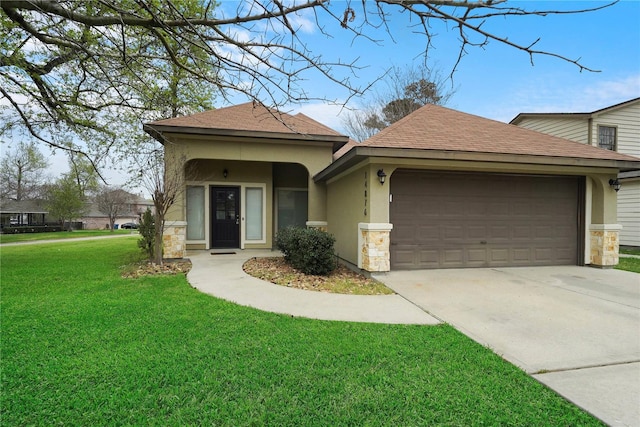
96 220
23 212
615 128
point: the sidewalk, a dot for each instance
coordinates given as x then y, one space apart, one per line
73 239
221 275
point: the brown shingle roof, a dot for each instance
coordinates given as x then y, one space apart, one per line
433 127
250 117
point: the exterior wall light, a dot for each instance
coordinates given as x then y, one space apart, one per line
615 184
225 173
381 176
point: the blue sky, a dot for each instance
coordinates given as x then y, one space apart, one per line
498 82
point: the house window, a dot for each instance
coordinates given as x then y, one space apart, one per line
292 208
195 213
254 217
607 137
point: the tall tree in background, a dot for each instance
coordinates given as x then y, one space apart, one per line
70 70
407 89
84 174
64 201
112 202
22 172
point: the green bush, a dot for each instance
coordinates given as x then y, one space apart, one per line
307 249
147 233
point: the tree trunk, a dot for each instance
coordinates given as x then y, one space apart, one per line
157 241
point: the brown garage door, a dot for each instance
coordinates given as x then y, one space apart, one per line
448 220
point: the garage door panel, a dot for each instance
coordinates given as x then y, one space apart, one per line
429 257
518 220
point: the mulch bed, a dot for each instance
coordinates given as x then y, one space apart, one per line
341 280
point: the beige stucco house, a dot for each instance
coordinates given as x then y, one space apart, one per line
615 128
437 189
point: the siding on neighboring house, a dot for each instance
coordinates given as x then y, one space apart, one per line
583 127
627 120
573 129
629 212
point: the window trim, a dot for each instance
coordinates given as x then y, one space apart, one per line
243 207
615 136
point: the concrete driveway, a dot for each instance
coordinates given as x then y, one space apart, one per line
575 329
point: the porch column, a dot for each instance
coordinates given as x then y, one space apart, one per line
604 230
174 239
174 235
317 204
373 246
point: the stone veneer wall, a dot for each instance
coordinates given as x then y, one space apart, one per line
373 243
174 239
320 225
605 245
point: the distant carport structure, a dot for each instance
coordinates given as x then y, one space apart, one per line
22 212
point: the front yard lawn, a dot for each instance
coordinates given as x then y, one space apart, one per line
83 346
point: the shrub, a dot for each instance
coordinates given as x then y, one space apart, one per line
147 233
307 249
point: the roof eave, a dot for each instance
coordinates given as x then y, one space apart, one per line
156 131
357 154
520 117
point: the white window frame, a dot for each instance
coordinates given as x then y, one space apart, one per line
615 136
243 226
243 210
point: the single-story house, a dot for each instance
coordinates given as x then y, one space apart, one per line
23 212
437 189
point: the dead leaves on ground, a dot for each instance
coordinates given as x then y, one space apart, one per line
341 280
147 268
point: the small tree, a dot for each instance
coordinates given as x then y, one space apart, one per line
165 181
147 233
64 201
112 202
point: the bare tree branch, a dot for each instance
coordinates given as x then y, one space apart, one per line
97 66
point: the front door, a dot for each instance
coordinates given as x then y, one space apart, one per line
225 223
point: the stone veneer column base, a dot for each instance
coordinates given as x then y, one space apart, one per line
174 239
320 225
604 245
373 246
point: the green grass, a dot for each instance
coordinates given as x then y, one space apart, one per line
629 264
82 346
30 237
630 251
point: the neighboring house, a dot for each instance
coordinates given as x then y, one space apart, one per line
615 128
437 189
96 220
22 212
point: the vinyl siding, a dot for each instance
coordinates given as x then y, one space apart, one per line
573 129
627 120
629 212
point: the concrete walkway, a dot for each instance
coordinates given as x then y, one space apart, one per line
71 239
221 275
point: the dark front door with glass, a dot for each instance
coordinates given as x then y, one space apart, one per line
225 227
